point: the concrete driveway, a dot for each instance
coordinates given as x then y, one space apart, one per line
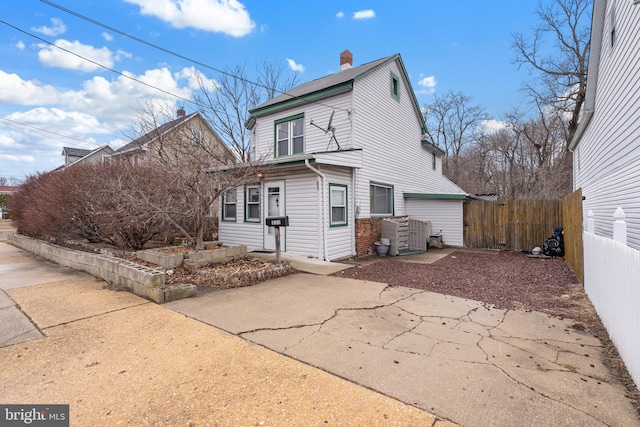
459 359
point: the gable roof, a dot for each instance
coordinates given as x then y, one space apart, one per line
332 84
75 152
154 134
106 147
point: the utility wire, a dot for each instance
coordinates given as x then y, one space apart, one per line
96 63
49 131
178 55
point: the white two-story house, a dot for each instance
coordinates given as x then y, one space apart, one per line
606 149
343 152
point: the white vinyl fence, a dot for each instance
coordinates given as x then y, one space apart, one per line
612 282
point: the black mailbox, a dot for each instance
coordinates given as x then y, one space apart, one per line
277 221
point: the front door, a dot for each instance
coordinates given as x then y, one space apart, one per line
274 206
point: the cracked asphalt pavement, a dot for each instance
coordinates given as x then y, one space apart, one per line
462 360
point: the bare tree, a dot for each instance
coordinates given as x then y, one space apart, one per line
225 101
452 121
560 73
198 169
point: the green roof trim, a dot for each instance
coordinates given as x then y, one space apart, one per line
433 147
434 196
304 99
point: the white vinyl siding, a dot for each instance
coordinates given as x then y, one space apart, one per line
609 150
389 132
315 140
445 215
340 240
302 207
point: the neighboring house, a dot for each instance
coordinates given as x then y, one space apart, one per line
606 149
77 156
5 192
606 153
344 151
185 130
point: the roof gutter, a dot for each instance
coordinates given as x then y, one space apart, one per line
597 29
323 209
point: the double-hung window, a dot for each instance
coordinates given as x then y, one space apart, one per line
252 203
381 199
290 136
229 206
338 205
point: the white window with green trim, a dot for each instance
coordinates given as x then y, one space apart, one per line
252 203
395 87
289 136
229 206
433 161
338 205
381 199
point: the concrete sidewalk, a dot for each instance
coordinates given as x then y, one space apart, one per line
118 359
460 359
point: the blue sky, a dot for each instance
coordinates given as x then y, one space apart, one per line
446 46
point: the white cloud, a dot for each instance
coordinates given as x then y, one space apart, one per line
364 14
60 121
14 90
195 79
492 126
107 37
56 57
17 158
218 16
55 30
294 66
20 45
340 14
428 85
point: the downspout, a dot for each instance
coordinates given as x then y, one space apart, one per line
323 207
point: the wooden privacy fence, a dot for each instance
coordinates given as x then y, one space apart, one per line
516 225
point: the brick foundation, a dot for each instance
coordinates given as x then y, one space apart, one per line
368 231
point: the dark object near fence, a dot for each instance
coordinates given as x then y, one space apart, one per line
554 245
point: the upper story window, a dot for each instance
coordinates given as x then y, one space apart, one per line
290 136
433 161
395 87
196 137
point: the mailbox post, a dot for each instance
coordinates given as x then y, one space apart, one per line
276 222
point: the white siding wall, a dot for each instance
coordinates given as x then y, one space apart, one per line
445 215
315 140
340 239
302 204
607 160
389 133
240 232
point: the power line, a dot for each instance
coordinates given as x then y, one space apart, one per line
178 55
49 131
97 63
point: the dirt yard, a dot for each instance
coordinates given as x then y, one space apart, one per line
507 280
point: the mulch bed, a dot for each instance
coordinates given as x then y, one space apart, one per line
507 280
241 272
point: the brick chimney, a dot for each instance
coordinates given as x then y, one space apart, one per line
346 60
181 112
